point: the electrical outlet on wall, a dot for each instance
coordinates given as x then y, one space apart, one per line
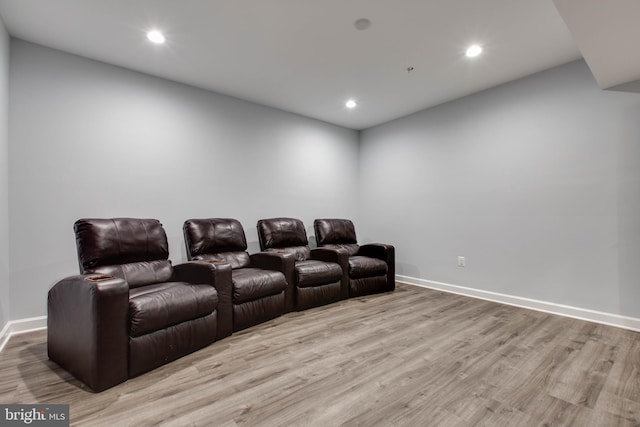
461 261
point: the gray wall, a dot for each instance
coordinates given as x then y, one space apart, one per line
89 139
535 182
4 176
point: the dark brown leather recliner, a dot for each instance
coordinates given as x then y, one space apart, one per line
258 293
130 310
315 277
371 267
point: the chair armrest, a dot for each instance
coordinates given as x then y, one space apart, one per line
279 261
339 256
217 275
376 250
387 253
87 328
284 263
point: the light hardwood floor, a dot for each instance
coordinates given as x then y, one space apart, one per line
414 357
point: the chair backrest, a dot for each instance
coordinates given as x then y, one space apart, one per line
217 238
284 234
135 250
336 233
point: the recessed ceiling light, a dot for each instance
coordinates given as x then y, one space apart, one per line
350 104
474 50
156 37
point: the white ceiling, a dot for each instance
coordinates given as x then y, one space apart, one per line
306 56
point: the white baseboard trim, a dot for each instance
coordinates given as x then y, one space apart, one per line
625 322
15 327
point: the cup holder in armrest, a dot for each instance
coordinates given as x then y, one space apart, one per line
99 278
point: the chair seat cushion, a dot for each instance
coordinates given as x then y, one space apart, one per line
158 306
253 283
363 266
314 273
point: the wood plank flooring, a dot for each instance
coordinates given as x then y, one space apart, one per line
414 357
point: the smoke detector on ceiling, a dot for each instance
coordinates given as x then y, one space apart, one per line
362 24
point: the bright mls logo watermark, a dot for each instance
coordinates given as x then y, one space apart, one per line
34 415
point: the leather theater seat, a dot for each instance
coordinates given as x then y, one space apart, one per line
371 267
315 277
130 310
258 293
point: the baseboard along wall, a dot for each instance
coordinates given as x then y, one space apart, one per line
625 322
21 326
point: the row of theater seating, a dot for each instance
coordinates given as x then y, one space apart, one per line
130 310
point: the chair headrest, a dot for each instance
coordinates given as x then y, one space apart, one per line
214 235
119 241
276 233
334 231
